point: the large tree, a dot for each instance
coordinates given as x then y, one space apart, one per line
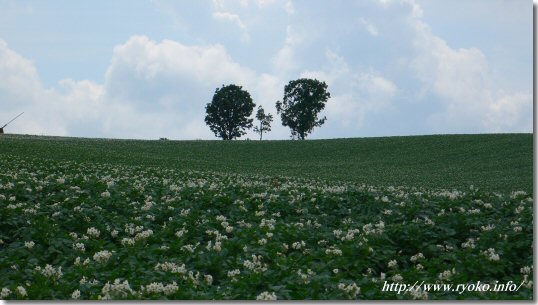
228 113
303 100
265 122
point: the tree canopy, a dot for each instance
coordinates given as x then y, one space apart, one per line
303 100
228 113
265 122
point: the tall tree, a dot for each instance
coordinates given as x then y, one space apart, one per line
228 113
265 122
303 100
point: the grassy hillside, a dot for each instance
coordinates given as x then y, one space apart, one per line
497 162
118 219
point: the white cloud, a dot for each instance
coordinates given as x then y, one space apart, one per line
46 110
510 113
289 8
160 88
18 78
265 3
379 89
168 8
460 79
151 89
235 19
384 3
454 74
223 4
354 94
153 64
286 4
284 61
246 16
170 82
416 10
369 27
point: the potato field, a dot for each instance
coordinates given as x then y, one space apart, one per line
90 230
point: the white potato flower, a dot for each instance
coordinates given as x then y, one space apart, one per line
266 296
21 291
75 295
102 256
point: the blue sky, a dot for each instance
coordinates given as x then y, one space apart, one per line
146 69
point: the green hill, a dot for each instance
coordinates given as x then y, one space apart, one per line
124 219
497 162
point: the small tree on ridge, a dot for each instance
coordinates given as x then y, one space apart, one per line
265 122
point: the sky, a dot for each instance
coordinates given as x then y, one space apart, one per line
145 69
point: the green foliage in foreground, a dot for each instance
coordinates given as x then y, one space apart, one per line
496 162
88 230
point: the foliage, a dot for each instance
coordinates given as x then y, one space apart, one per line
228 113
94 230
493 162
265 122
303 100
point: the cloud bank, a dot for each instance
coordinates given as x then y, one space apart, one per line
420 84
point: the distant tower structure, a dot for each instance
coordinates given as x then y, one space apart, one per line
2 128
